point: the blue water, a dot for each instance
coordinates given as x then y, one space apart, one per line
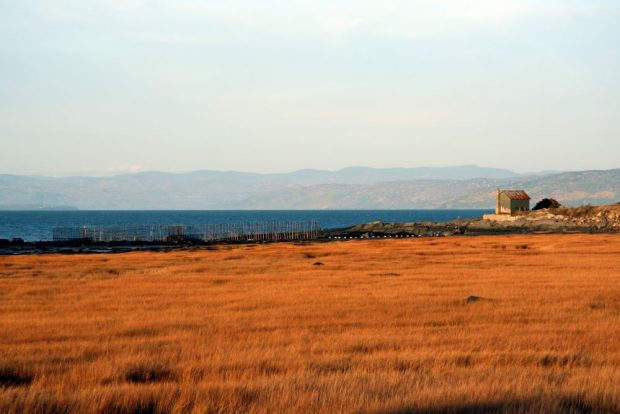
37 225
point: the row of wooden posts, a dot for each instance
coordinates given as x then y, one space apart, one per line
252 231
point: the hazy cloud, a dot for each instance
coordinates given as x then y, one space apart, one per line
197 21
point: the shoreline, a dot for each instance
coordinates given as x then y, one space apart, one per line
368 231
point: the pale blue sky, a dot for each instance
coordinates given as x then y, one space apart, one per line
108 86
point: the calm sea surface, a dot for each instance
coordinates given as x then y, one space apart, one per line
37 225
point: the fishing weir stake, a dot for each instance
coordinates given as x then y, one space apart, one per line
205 233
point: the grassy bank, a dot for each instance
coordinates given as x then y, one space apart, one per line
362 326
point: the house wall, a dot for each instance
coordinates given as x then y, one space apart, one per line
504 204
519 205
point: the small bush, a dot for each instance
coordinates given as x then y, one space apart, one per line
546 203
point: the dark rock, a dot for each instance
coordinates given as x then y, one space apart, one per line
318 264
473 299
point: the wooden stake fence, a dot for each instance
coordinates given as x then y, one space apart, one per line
250 231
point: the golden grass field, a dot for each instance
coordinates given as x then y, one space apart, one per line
383 326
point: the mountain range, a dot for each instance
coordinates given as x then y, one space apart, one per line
350 188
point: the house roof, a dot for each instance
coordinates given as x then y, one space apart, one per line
516 194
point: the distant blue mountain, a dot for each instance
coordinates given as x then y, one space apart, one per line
355 187
571 188
349 175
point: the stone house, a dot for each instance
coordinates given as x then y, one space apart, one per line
511 201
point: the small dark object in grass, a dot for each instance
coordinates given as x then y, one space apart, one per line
473 299
146 374
11 376
318 264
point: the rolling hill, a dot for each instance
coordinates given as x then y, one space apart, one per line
572 188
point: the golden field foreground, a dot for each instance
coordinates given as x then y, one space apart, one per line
383 326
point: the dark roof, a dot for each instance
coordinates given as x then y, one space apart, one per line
516 194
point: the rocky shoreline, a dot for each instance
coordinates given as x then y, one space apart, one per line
17 246
476 227
586 219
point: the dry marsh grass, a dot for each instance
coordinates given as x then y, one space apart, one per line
382 326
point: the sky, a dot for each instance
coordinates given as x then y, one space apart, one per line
96 87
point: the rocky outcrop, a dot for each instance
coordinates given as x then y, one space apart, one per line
586 219
600 218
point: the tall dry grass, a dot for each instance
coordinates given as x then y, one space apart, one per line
381 326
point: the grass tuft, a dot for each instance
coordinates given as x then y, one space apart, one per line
147 373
